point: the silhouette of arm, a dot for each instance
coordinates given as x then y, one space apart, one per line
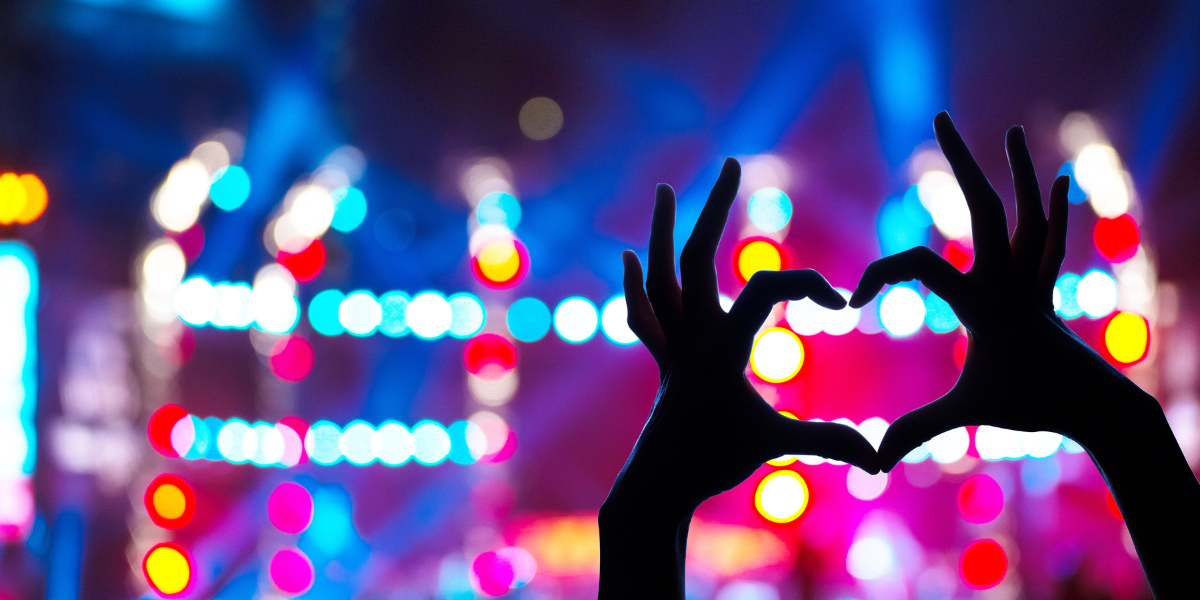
708 429
1026 370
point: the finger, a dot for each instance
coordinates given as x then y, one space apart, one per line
1029 240
828 440
766 289
661 285
915 428
1056 241
697 267
921 264
989 226
640 314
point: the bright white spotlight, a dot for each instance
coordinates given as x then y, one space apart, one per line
902 311
429 315
614 319
575 320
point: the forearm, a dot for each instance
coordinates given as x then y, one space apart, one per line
642 549
1155 489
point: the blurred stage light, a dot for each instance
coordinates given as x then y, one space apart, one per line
770 209
431 443
291 571
170 502
1040 477
949 446
270 445
1127 337
865 486
575 319
394 306
777 355
804 316
231 441
323 312
938 314
233 306
273 300
959 254
484 176
1066 296
902 223
870 558
781 496
322 443
160 426
493 392
540 118
429 315
306 264
843 321
468 443
357 443
940 195
902 311
983 564
466 315
230 187
359 313
22 199
489 356
1116 239
523 565
168 569
196 301
1097 294
499 208
757 254
614 321
491 574
394 444
528 319
980 499
176 204
312 211
350 209
1099 173
292 358
501 262
495 431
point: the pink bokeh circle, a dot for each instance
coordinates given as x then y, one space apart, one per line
291 571
290 507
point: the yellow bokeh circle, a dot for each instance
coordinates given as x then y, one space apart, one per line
781 497
169 501
499 260
777 355
168 569
1127 336
758 255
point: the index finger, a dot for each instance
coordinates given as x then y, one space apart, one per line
989 226
696 263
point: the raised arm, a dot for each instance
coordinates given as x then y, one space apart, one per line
1026 370
708 429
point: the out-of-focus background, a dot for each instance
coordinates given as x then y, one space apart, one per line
322 299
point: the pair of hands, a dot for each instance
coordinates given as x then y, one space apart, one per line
709 429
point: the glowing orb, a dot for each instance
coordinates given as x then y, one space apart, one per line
360 313
499 208
777 355
614 320
292 358
168 569
290 507
1127 336
489 355
230 187
949 446
980 499
938 314
770 209
323 313
170 502
492 574
306 264
394 444
1116 239
322 443
983 564
781 496
431 443
902 311
575 319
393 306
865 486
466 315
870 558
528 319
357 443
291 571
501 261
756 254
959 254
1096 294
429 315
159 428
351 208
1066 296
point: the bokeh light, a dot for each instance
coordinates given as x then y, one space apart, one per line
273 300
806 317
1065 296
230 187
870 558
938 314
431 443
501 261
1116 239
980 499
291 571
359 313
169 501
940 195
322 443
22 199
168 569
499 208
575 319
492 574
777 355
523 565
757 254
176 204
394 308
429 315
959 254
394 443
292 358
770 209
949 446
290 507
1096 294
902 311
983 564
235 442
1127 337
540 118
781 496
196 301
466 315
306 264
350 209
160 425
865 486
323 312
357 443
614 322
489 355
528 319
1099 173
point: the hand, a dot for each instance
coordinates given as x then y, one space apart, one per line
1025 369
709 429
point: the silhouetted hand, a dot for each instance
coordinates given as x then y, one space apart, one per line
708 429
1026 370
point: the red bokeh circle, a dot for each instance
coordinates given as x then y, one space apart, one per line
959 254
983 564
306 264
159 428
292 358
494 574
1116 239
489 355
